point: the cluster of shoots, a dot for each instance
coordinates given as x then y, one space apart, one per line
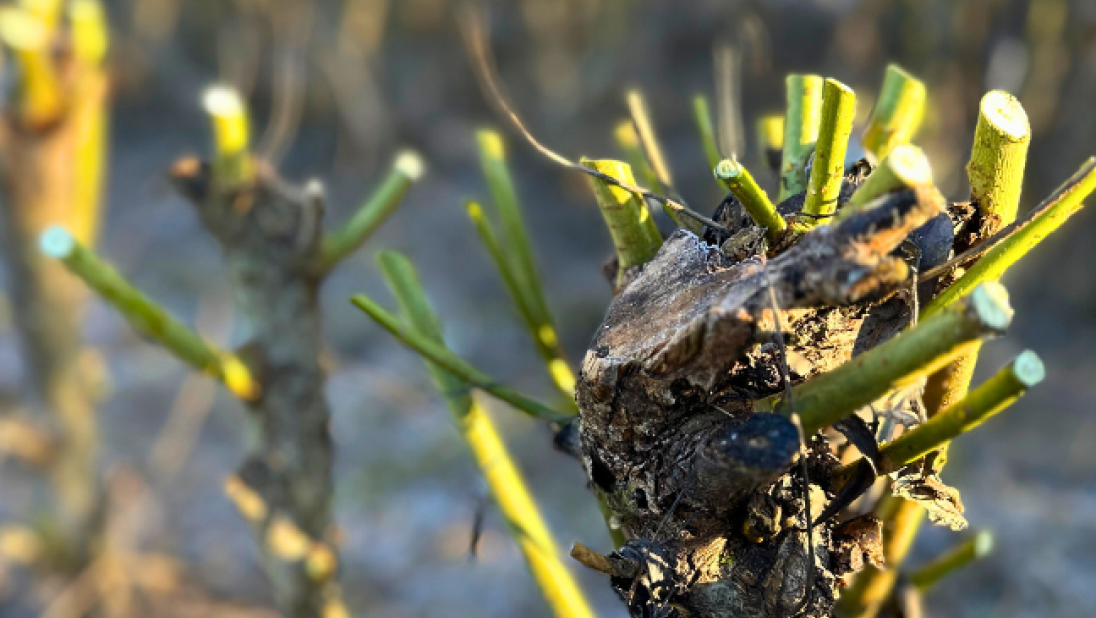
811 142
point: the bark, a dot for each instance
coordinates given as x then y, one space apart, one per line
704 488
270 234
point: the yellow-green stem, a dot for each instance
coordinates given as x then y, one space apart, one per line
703 118
232 163
443 357
635 235
872 588
770 139
899 362
828 170
990 398
905 167
801 124
998 157
407 168
27 33
741 184
897 114
994 263
646 129
497 466
543 332
975 548
148 317
628 140
515 237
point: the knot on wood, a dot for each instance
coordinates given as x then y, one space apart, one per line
746 455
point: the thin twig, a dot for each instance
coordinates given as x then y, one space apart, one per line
289 82
786 379
1005 233
471 27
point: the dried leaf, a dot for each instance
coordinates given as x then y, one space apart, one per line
941 501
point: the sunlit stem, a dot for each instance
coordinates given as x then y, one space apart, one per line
904 168
898 113
998 157
802 121
993 396
147 317
828 170
540 329
515 237
872 588
90 117
703 118
973 549
232 163
628 140
90 35
635 236
495 463
993 264
444 358
770 139
637 106
899 362
406 170
741 184
995 172
982 403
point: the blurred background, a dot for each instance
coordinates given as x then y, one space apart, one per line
372 76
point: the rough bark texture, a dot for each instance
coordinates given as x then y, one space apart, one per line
704 488
270 233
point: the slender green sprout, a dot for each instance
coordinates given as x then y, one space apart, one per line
232 164
148 317
984 402
443 357
1066 201
899 362
628 140
753 198
646 129
905 167
993 396
634 233
828 171
770 139
872 589
898 112
406 170
703 118
801 125
515 236
540 327
493 458
975 548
